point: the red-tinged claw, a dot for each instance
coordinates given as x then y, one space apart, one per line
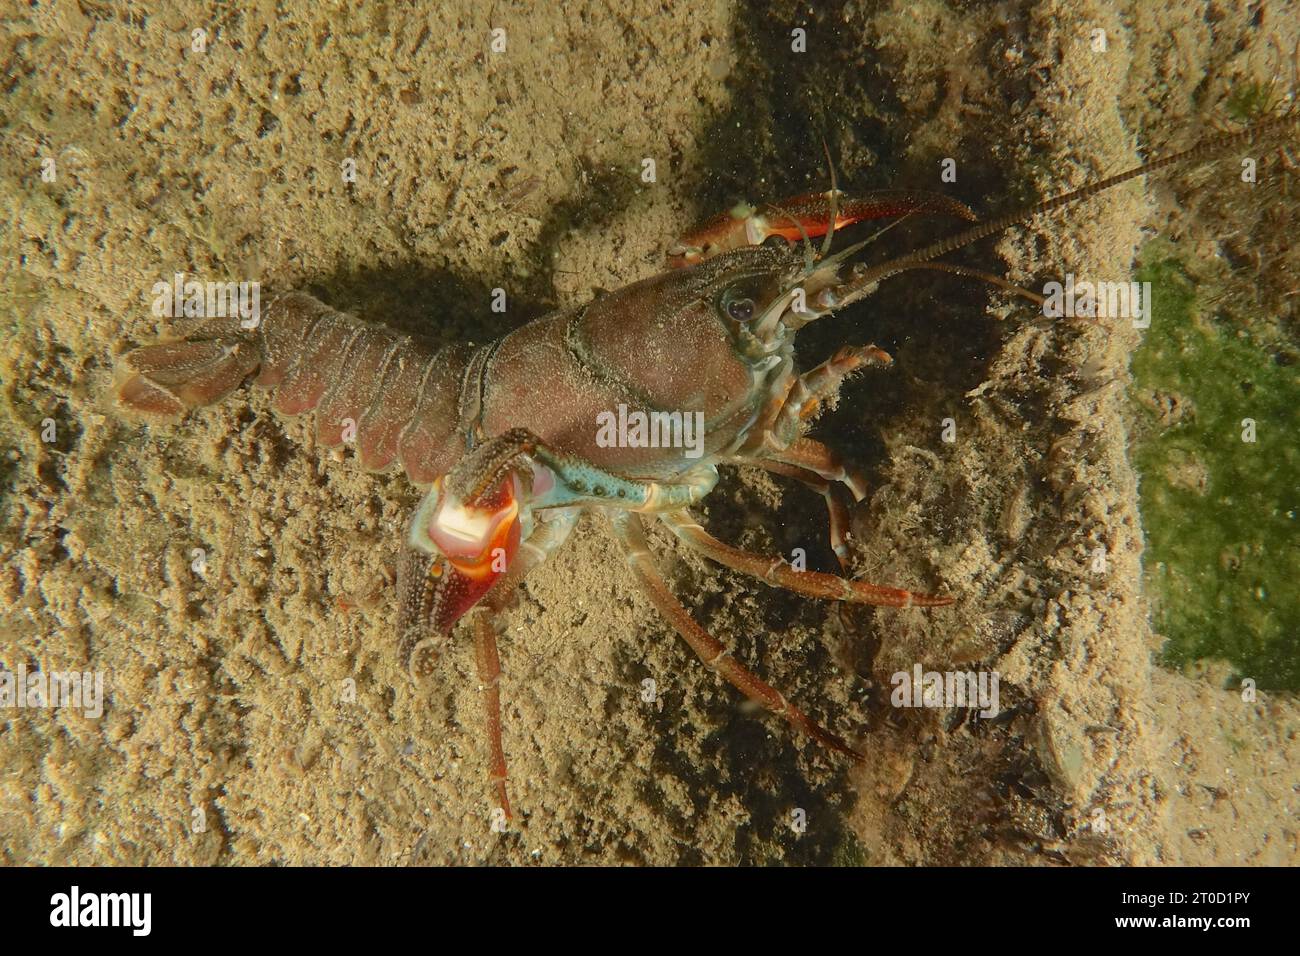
478 539
809 216
455 552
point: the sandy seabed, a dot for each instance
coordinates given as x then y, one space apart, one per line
230 732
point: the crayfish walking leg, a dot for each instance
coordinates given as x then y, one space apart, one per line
489 676
778 573
711 652
808 461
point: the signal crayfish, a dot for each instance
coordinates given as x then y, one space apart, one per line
507 475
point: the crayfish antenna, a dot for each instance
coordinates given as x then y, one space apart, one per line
809 260
835 201
865 280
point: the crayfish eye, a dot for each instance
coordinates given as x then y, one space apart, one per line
742 310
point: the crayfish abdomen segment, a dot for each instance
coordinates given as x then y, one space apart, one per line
398 400
431 440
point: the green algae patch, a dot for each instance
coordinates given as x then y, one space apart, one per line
1216 442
